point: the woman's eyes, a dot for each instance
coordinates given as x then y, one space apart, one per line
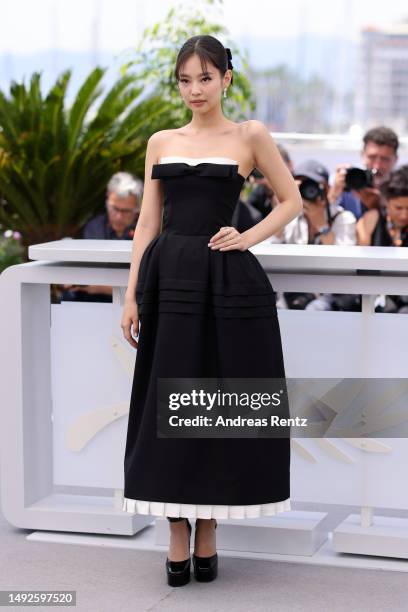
203 79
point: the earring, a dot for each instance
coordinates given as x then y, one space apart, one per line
225 92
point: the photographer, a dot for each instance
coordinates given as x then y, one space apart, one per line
319 223
116 222
358 190
388 227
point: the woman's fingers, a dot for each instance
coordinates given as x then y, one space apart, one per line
233 244
220 234
127 331
224 237
135 329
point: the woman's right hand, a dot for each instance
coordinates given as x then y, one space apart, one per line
339 183
130 317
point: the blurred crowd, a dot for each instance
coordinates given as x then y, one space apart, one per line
365 205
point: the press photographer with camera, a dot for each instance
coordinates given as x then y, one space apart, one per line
358 189
319 223
388 227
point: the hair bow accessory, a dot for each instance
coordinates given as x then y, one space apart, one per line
229 56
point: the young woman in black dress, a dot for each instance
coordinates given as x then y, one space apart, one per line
188 329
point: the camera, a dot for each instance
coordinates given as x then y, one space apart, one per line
357 179
310 190
257 174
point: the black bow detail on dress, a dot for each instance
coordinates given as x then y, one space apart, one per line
201 169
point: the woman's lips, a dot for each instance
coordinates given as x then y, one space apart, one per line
197 101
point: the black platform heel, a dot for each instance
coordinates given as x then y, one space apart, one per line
205 568
178 572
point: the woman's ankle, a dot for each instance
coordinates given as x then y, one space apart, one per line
179 548
205 541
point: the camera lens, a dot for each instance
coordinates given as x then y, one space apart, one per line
309 190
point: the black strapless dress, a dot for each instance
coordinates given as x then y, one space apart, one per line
203 313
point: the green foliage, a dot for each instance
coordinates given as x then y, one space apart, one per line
156 55
55 161
11 250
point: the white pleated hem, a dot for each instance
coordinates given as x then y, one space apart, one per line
138 506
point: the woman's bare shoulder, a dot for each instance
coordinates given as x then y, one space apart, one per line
255 137
254 133
161 135
159 141
253 127
245 126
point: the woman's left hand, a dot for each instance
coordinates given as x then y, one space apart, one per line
228 239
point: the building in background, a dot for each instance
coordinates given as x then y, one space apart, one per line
382 77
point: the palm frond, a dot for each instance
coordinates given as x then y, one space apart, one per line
87 94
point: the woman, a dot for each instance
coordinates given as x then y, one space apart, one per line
207 309
388 226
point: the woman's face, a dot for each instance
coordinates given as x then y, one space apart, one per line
201 91
398 210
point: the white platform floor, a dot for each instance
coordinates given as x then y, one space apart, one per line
145 540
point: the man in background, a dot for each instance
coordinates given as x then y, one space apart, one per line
117 222
122 209
379 154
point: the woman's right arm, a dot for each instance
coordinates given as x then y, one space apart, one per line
148 227
365 227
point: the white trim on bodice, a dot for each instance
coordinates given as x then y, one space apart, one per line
197 160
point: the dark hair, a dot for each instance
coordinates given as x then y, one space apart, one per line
382 136
209 49
397 184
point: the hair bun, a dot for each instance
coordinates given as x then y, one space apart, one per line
229 58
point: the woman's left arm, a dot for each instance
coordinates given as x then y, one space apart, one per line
268 160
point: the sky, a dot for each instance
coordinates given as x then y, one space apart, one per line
76 25
49 36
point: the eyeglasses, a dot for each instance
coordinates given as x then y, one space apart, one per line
121 211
